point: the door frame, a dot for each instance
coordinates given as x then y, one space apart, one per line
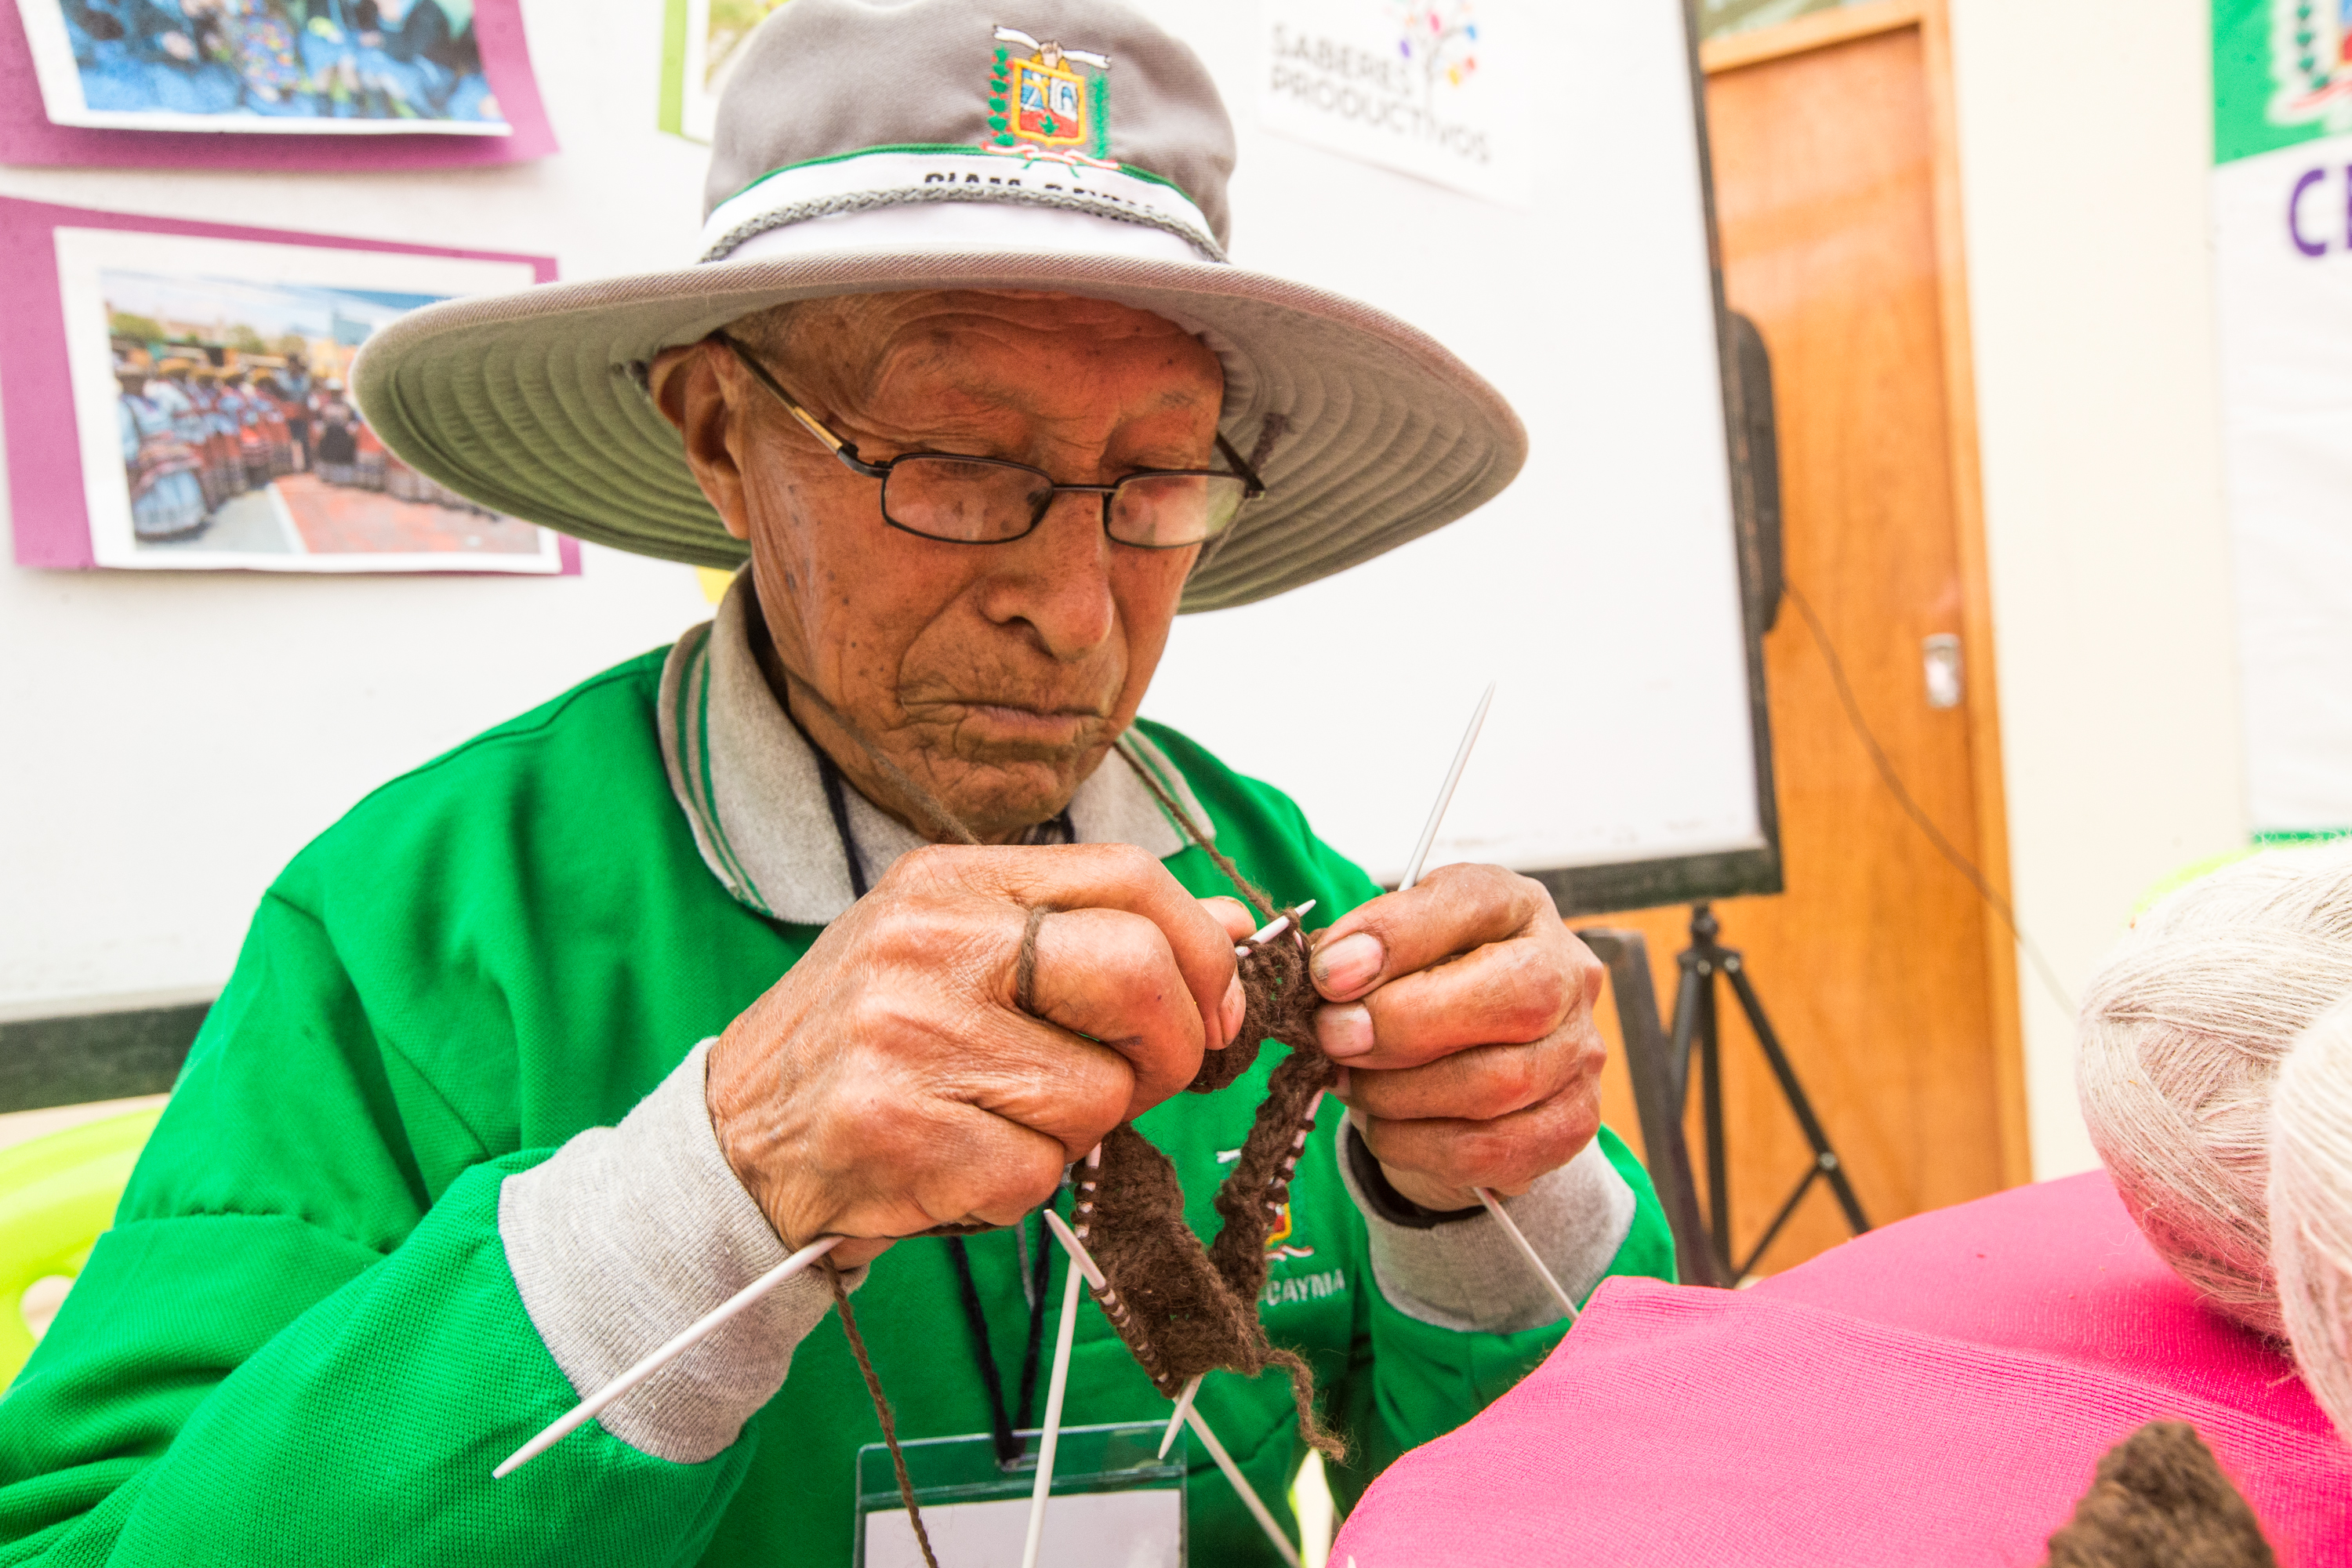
1826 29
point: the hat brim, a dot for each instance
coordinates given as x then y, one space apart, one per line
533 403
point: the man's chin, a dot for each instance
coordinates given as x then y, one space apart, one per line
999 795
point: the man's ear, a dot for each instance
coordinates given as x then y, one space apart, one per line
693 389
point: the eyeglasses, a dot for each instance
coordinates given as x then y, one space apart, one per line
989 500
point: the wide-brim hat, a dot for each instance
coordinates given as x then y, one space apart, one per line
867 146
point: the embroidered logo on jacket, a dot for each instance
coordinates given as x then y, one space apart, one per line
1042 103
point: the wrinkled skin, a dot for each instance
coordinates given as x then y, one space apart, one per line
888 1082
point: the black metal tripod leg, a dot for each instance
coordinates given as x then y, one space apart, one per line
1825 1158
1658 1096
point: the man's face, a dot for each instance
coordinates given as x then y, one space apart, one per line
996 675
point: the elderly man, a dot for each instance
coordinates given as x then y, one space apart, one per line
966 376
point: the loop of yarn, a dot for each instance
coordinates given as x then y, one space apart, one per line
2311 1209
2180 1038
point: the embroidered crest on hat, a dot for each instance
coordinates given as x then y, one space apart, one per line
1042 103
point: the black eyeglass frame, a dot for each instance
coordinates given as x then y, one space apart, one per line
1252 486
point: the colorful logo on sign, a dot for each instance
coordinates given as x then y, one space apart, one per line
2311 62
1041 102
1440 42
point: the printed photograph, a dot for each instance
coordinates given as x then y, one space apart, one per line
337 67
714 31
237 441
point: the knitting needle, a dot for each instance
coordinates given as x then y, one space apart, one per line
1183 1408
694 1334
1274 927
1080 1261
1445 791
1083 1266
1411 875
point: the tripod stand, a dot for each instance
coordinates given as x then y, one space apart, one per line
1660 1067
1695 1024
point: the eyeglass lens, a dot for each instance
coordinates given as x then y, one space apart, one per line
969 502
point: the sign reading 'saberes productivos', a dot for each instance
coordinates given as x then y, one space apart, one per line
1427 87
2283 255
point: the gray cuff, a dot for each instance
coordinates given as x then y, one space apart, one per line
1466 1274
626 1234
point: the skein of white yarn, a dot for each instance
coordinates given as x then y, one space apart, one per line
2311 1209
2180 1038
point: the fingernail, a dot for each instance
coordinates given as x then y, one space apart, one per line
1344 1031
1349 964
1230 1017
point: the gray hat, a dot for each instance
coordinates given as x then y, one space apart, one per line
875 146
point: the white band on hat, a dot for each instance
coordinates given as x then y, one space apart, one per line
958 199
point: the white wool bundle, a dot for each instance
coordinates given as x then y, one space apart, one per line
2180 1039
2311 1209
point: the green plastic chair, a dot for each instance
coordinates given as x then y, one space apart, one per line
58 1195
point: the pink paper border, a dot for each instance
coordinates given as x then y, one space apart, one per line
28 137
47 512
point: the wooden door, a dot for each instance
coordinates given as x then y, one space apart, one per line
1886 974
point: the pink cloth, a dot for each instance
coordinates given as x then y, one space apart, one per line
1936 1392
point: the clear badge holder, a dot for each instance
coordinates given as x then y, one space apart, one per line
1115 1503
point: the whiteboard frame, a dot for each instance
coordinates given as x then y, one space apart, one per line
1611 886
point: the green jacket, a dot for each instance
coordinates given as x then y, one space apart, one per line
301 1343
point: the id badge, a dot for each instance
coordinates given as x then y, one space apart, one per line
1115 1503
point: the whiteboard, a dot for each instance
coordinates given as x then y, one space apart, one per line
1602 590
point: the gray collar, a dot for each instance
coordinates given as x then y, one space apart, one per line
751 788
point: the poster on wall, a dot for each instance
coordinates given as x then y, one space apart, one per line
177 398
268 83
1425 87
2283 273
700 40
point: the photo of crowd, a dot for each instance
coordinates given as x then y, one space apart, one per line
310 65
238 433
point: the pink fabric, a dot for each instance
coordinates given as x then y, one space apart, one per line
47 512
28 137
1937 1392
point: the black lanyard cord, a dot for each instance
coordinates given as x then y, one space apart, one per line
1001 1418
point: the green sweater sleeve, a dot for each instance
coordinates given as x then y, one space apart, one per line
301 1343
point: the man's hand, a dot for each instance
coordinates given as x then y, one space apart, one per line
890 1082
1461 1011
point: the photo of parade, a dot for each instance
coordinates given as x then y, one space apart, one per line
239 434
283 65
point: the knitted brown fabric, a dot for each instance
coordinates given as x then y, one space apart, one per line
2161 1502
1184 1310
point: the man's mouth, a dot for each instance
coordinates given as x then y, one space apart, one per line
1058 727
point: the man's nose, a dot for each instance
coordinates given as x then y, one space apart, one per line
1056 579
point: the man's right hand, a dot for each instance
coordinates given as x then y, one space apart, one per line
890 1081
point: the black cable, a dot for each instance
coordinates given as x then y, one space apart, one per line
1894 786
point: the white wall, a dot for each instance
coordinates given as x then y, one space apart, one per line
172 739
2084 154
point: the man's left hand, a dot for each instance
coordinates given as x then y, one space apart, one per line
1461 1013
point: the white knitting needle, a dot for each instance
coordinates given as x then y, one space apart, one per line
1411 875
1081 1266
1445 791
1183 1408
1274 927
700 1330
1082 1263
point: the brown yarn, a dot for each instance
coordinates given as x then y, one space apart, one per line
881 1407
2161 1502
1181 1308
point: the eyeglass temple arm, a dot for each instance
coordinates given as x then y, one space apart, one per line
1249 475
834 444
